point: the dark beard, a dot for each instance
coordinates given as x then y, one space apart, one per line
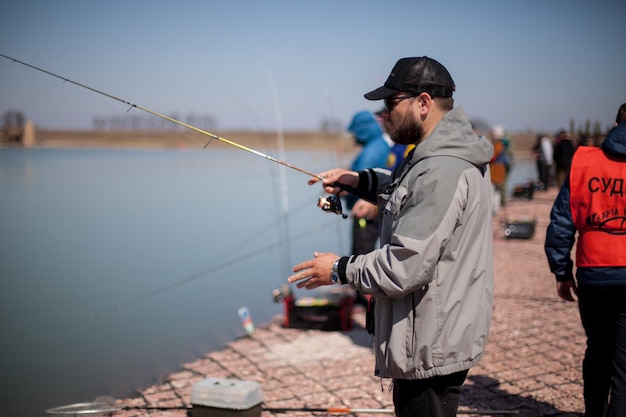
409 133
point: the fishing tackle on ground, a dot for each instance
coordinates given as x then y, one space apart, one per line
178 122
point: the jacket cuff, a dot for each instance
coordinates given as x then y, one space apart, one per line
368 181
562 278
341 269
568 276
368 184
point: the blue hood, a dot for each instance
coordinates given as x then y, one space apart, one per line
615 141
365 128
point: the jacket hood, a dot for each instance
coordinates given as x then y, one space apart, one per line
615 141
453 136
365 127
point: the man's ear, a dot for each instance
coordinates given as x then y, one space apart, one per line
425 102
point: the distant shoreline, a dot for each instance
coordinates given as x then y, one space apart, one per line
187 139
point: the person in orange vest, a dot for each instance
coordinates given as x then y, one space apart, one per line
590 210
499 166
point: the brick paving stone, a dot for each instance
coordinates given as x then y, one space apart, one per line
320 399
178 376
205 368
224 356
159 397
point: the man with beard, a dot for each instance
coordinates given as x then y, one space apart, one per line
432 277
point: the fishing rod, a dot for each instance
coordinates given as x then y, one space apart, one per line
332 208
162 116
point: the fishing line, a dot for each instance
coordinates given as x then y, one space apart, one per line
283 208
188 126
335 161
284 193
197 130
240 257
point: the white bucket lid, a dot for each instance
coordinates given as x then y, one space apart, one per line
227 393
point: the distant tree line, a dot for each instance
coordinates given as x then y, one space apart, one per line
13 118
141 122
204 122
12 126
329 125
16 129
586 129
13 121
586 135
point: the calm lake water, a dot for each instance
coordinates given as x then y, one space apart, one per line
119 266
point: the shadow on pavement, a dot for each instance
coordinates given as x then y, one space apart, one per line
482 392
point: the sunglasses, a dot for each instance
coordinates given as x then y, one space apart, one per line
392 102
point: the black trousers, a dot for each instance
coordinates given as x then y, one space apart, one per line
433 397
364 236
603 315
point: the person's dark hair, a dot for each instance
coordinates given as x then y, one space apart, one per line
445 103
621 114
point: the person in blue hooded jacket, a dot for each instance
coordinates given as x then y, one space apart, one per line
367 133
590 210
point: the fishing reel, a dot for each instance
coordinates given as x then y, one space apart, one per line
331 203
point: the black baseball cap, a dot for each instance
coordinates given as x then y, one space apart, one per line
416 75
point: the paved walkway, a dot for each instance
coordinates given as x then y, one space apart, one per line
532 363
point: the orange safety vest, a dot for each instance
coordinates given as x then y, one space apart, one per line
598 206
497 168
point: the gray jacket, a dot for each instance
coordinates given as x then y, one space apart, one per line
433 275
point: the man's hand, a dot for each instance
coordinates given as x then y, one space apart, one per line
342 176
566 290
314 272
364 210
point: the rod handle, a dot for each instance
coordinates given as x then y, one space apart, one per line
354 191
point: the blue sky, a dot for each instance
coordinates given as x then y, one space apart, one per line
248 64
